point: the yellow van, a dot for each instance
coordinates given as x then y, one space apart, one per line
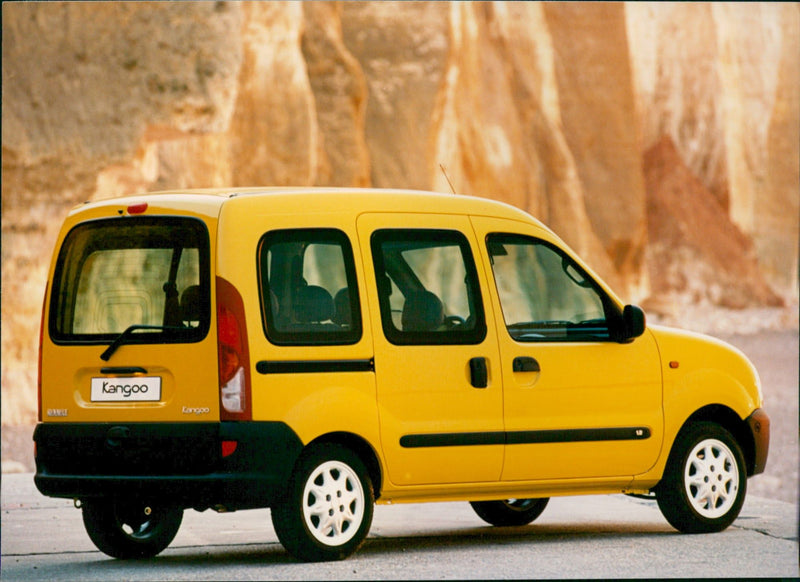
317 351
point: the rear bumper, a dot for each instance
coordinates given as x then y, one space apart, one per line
181 463
758 422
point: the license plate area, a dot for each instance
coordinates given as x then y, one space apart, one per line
126 389
149 449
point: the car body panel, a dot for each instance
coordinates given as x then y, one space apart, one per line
700 372
314 403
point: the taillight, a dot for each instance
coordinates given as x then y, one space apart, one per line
41 341
233 354
228 448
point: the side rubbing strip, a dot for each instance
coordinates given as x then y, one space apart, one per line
524 437
415 441
314 366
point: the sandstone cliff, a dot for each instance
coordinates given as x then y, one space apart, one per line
614 123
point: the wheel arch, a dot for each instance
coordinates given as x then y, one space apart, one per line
360 447
728 419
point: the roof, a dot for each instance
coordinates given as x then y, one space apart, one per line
317 200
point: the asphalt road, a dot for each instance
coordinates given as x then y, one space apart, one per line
576 537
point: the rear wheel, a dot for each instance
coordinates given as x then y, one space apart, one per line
327 511
705 480
509 512
130 529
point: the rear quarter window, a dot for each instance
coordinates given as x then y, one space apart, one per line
308 287
151 272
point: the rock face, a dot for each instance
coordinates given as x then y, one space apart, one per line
722 81
697 254
597 95
617 124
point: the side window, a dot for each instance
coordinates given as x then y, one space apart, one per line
308 289
544 294
427 287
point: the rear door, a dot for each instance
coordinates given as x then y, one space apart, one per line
439 395
129 324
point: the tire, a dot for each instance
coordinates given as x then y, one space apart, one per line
130 529
510 512
327 510
698 496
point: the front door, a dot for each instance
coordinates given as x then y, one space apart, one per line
577 404
436 360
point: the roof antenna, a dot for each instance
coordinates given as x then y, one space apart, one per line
441 167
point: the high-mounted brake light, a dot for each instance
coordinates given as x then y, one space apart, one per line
137 208
233 356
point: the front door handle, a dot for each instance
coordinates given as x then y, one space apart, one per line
479 372
525 364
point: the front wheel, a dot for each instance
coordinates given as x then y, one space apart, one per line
510 512
705 480
327 511
130 529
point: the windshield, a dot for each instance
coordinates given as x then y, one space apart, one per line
146 271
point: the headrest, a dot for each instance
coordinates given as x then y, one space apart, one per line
313 304
422 311
342 308
190 303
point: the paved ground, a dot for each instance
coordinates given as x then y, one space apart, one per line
607 536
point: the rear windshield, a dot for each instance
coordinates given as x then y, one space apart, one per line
150 273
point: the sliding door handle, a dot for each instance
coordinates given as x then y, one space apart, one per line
525 364
478 373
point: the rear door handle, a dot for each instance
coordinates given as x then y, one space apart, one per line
525 364
123 370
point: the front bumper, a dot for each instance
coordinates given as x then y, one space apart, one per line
758 422
183 463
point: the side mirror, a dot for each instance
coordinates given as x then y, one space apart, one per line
631 325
